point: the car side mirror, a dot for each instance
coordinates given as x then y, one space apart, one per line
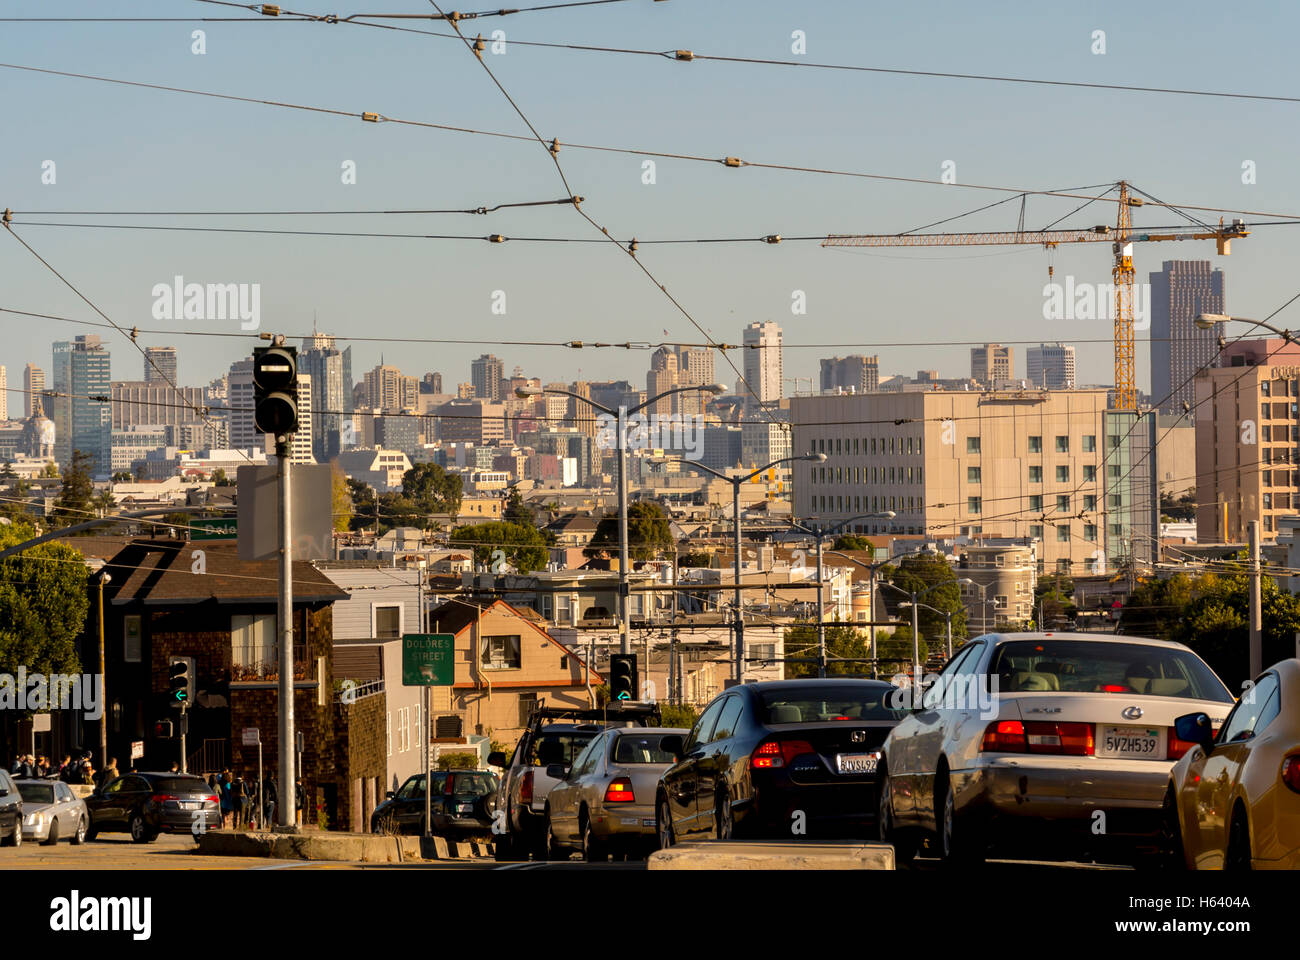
672 743
389 794
1195 728
497 758
557 771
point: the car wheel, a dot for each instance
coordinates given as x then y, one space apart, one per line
1170 856
592 850
959 842
665 826
724 820
53 838
904 846
501 847
82 833
1238 855
553 849
139 830
16 837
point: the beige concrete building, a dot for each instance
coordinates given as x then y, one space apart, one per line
991 363
1004 576
1008 464
1175 455
1247 428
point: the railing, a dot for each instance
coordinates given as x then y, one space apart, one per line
350 692
209 758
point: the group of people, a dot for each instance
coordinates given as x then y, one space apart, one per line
80 770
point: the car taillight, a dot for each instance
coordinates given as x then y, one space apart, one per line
1177 747
526 787
163 797
773 754
1069 739
1291 772
1114 688
214 799
1004 736
620 791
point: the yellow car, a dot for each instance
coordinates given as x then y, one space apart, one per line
1233 801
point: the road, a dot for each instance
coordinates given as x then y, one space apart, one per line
172 852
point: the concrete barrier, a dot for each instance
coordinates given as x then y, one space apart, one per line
350 847
773 855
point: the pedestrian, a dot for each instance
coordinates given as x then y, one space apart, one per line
300 799
108 774
86 775
176 767
270 796
226 805
42 766
21 769
66 768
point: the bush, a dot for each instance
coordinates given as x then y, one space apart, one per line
458 761
677 715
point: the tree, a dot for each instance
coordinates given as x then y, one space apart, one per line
852 541
699 558
1054 601
124 476
14 505
649 533
7 471
918 572
50 470
896 649
104 503
219 478
801 641
74 503
522 547
340 502
677 715
431 489
362 497
517 511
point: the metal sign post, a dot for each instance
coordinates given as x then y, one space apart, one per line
253 736
427 662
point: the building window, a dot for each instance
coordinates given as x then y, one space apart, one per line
131 640
1036 531
252 641
388 732
1063 533
1090 531
1089 473
1115 440
1089 502
1035 444
1116 500
1264 387
1089 443
972 474
972 444
1035 474
1063 503
1036 503
501 653
1113 470
1062 444
1063 474
999 602
973 504
387 621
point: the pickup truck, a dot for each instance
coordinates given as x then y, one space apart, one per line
553 735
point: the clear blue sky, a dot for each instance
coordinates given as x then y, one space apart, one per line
119 148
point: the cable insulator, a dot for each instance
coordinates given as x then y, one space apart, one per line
8 216
370 117
555 147
496 238
772 238
575 200
732 161
631 247
576 344
683 55
479 46
270 10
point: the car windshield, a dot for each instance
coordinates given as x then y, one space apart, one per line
551 748
816 704
641 748
478 784
1080 666
37 792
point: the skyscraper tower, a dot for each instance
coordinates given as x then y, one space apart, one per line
323 363
763 367
81 370
1179 292
163 367
486 373
33 384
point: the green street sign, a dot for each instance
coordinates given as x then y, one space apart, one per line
214 528
427 659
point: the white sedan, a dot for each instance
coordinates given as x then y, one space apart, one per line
51 812
1044 743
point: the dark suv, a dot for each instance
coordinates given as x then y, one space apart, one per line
11 812
146 804
460 805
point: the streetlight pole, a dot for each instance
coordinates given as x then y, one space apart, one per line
621 416
737 671
914 597
104 577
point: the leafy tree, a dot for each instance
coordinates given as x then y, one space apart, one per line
852 541
431 489
1054 597
220 479
124 476
14 504
458 761
340 502
1184 508
801 641
649 534
50 470
74 502
677 715
919 572
695 559
7 471
524 547
517 511
104 503
896 649
362 497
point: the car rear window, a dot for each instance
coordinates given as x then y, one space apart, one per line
814 704
641 748
37 792
181 785
479 784
557 748
1078 666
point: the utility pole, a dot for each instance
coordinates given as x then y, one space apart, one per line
421 618
622 531
821 628
106 577
739 672
1256 606
288 776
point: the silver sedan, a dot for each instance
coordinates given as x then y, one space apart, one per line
52 813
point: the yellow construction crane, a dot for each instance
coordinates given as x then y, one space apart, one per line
1122 238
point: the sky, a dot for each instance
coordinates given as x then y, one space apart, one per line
129 149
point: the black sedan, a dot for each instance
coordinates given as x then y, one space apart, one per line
11 812
779 760
460 805
146 804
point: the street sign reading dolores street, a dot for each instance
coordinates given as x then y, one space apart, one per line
427 659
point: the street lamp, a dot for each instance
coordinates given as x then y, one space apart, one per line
982 588
735 502
622 413
1206 321
871 587
947 616
819 534
915 597
104 577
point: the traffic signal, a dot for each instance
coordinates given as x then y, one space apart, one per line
275 390
162 730
622 676
178 681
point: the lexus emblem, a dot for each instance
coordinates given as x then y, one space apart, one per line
858 736
1131 713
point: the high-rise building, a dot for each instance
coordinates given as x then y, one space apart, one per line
695 365
472 421
33 384
82 370
138 402
431 383
300 444
160 367
1182 290
388 389
991 363
661 378
331 407
486 374
239 401
853 374
581 415
4 394
763 368
1051 365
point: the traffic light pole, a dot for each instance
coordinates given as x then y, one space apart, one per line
183 726
288 781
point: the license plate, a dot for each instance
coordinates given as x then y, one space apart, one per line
855 762
647 823
191 804
1131 743
464 807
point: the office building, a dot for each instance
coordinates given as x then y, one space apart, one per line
239 420
387 388
331 418
33 384
160 365
1051 365
82 370
486 374
763 369
156 402
853 374
1181 291
992 363
4 394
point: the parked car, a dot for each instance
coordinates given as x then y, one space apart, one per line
779 759
11 812
460 805
51 812
605 803
1233 801
146 804
547 740
1044 742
